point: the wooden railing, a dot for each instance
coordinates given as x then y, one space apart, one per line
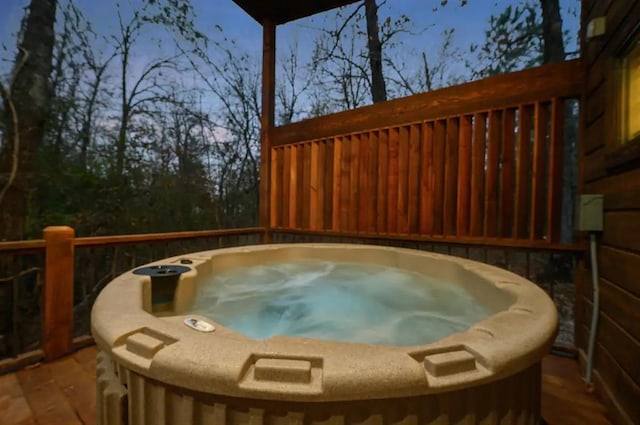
476 163
64 275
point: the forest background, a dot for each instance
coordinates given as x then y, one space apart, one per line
143 115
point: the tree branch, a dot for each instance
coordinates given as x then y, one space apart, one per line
5 93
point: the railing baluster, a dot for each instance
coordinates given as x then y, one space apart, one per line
414 178
507 173
492 174
539 173
523 169
402 208
464 176
329 184
392 181
439 142
320 161
305 197
477 174
372 195
450 209
554 202
313 185
383 173
286 186
293 186
364 193
426 179
354 158
276 188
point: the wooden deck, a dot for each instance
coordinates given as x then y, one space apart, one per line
63 393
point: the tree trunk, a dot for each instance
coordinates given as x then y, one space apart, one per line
30 94
378 87
553 51
552 31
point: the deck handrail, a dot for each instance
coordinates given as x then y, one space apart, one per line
561 79
58 247
92 241
22 246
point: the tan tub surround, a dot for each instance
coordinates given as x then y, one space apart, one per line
492 366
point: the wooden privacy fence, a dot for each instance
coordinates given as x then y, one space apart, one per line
491 172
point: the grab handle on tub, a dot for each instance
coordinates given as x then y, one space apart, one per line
283 375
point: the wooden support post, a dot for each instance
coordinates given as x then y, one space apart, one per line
267 120
57 329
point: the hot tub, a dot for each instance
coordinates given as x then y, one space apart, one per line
161 363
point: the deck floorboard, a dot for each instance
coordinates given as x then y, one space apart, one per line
63 392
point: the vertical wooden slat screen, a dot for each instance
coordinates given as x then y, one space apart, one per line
493 174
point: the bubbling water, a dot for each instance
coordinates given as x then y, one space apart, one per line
340 301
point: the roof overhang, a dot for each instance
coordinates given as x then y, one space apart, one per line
282 11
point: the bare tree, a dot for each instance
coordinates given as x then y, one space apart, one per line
138 91
552 31
293 86
378 87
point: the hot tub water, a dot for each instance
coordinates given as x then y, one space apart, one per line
338 301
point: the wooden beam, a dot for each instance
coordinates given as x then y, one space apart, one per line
93 241
57 328
562 80
267 118
481 241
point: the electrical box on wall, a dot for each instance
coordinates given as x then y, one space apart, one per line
589 213
596 27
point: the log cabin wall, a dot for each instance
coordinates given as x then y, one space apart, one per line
613 170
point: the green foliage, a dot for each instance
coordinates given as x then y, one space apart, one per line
513 41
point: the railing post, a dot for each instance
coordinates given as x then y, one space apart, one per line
57 315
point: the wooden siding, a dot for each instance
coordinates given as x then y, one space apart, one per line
491 173
617 374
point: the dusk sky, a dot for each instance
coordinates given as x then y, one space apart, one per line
469 21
